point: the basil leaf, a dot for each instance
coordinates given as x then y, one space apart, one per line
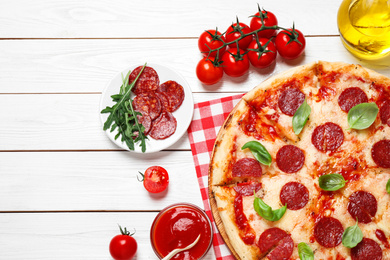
331 182
259 152
305 252
388 186
300 117
266 211
352 236
362 116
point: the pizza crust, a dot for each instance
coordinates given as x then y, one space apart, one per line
225 209
280 79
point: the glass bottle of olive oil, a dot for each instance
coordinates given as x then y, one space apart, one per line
364 27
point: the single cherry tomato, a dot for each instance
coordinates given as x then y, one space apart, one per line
235 31
211 40
262 53
290 43
123 246
207 72
156 179
269 19
235 63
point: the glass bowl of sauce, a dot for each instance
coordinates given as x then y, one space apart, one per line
179 225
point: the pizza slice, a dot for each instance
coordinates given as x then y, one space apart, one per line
238 215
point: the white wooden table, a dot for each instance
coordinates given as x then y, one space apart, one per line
64 186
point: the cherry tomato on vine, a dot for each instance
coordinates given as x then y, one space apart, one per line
290 43
235 31
156 179
269 19
213 39
235 63
264 55
123 246
207 72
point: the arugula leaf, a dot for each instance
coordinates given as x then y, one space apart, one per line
266 211
300 117
331 182
352 236
388 186
362 115
305 252
123 117
259 152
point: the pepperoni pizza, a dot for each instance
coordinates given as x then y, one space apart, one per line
326 145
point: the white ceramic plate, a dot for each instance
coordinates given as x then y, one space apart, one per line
183 115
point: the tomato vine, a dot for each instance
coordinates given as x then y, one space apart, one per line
216 46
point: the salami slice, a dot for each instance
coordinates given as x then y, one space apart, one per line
270 238
247 188
328 232
384 112
163 100
367 249
174 92
147 103
164 126
290 100
290 159
327 137
283 250
380 153
351 97
146 121
247 167
276 243
363 206
295 195
147 81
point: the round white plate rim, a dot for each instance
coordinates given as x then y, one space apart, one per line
183 122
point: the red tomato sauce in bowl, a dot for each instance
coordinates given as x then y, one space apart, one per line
179 225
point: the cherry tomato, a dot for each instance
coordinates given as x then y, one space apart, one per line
235 67
123 246
269 19
287 44
213 39
265 54
156 179
207 72
235 31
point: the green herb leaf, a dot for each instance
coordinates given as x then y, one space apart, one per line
388 186
305 252
259 152
352 236
266 211
300 117
362 116
123 117
331 182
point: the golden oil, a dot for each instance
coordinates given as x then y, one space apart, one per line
364 27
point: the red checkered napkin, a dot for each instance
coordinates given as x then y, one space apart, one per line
208 118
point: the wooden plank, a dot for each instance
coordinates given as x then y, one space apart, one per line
79 66
62 122
72 235
121 18
74 181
